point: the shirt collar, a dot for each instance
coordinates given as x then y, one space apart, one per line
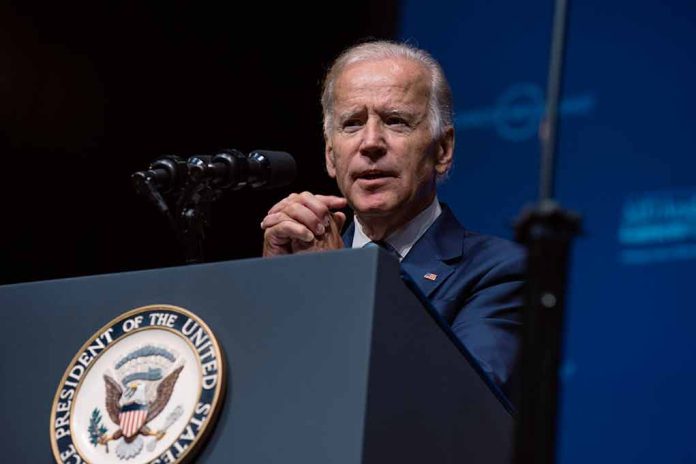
405 237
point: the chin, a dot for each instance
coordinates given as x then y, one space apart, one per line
373 208
379 203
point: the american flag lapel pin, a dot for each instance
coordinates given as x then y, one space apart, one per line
430 276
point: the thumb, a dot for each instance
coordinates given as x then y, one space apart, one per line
340 219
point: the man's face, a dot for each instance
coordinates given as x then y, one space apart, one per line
380 148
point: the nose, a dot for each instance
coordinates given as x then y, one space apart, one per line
373 143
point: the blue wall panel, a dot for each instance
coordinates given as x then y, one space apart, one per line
627 164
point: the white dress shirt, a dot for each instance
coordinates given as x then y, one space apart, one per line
403 239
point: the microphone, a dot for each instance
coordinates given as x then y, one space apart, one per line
164 174
196 182
261 169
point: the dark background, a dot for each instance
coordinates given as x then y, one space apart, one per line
91 92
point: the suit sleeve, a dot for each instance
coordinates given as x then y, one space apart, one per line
488 321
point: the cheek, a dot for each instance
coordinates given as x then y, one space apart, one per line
418 167
426 163
342 170
342 177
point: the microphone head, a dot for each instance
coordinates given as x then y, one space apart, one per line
275 168
168 173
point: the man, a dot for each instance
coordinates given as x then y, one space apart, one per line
389 137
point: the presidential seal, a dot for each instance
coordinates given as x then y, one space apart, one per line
145 388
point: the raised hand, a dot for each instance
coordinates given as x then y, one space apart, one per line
303 222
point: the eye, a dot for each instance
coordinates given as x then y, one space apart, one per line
351 125
396 121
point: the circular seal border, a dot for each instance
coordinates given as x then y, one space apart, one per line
215 404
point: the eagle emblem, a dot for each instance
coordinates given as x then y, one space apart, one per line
144 388
146 379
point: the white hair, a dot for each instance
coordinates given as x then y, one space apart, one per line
440 103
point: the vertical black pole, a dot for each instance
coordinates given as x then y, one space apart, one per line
547 231
549 129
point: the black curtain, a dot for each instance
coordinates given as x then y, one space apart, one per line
95 91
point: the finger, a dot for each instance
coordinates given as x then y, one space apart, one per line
340 220
332 201
299 213
305 208
303 247
286 231
272 219
276 218
281 204
290 199
320 204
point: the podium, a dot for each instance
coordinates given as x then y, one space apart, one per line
330 358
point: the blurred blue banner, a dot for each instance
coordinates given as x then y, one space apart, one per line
627 163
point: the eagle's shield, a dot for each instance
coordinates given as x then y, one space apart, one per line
131 418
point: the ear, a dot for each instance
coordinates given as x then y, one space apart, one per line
330 158
445 152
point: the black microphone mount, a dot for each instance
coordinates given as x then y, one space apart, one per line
192 184
164 174
230 169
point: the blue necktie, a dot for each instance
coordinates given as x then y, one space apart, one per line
385 246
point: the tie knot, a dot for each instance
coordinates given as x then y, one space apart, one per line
384 245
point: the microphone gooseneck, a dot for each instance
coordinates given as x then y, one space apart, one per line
230 169
183 189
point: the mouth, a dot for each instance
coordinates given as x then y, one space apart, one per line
373 179
373 175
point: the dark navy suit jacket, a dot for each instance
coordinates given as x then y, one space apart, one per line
478 291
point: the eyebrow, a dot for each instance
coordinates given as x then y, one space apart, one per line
350 113
402 113
407 114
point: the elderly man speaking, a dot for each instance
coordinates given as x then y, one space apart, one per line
389 138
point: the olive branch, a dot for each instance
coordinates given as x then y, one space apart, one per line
96 429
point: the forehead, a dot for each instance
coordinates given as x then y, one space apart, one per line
387 81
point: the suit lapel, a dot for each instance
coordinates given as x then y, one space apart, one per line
433 257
